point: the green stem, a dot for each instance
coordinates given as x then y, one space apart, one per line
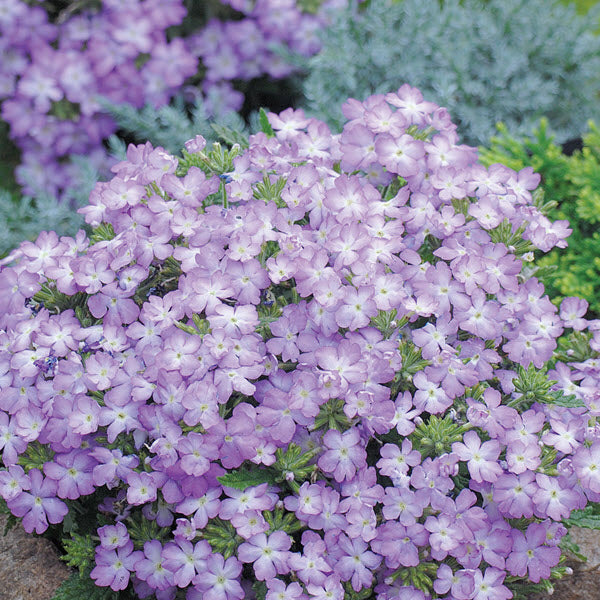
224 195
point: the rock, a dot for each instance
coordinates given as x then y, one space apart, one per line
588 542
30 568
584 584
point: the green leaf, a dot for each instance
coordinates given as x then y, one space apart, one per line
265 126
79 551
559 398
243 478
270 191
260 589
280 519
331 416
436 435
568 545
77 587
585 518
294 466
104 232
35 457
11 520
222 537
230 136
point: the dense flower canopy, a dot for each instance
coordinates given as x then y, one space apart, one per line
316 364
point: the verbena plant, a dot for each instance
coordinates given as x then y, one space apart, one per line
312 367
500 60
572 185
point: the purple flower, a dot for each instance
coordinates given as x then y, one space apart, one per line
279 591
219 580
112 466
572 311
269 555
357 308
586 462
555 497
530 555
460 583
13 481
480 458
344 456
399 544
142 488
203 507
514 494
185 560
311 566
113 536
395 462
73 473
387 309
357 563
151 569
114 567
38 506
403 504
331 588
489 586
400 154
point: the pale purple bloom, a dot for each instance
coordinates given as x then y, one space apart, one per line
142 488
113 536
37 504
114 567
219 579
279 591
269 555
151 569
480 458
530 555
489 586
184 560
344 456
357 562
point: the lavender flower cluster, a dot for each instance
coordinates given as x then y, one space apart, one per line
52 73
307 369
242 50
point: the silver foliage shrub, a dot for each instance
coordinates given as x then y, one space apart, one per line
500 60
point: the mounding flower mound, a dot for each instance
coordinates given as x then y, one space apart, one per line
314 367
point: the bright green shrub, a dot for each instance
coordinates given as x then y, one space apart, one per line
583 6
572 185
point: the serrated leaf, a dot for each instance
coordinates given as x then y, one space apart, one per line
260 589
229 135
79 586
265 126
244 478
559 398
568 545
583 518
79 551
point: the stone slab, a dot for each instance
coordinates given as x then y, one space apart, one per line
30 567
